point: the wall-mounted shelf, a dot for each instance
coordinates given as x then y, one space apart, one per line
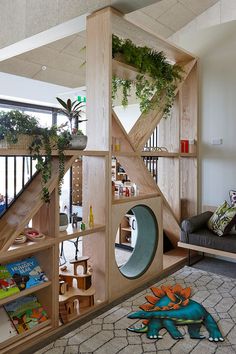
140 197
189 154
72 232
28 247
26 152
159 154
25 292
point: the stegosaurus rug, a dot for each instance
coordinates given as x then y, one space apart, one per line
108 334
171 306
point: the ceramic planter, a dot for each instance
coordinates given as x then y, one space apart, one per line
78 142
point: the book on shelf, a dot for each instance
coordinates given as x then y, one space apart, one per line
8 286
7 328
27 273
26 312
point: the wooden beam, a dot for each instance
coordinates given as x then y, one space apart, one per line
26 206
119 132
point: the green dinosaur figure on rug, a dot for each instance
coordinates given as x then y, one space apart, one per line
170 307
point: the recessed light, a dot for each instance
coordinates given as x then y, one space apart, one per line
44 67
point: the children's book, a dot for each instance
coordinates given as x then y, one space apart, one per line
8 286
7 329
27 273
26 312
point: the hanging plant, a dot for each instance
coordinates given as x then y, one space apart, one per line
14 124
48 139
157 78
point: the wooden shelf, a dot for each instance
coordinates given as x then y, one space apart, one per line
188 154
26 248
159 154
126 229
123 199
76 292
26 152
72 232
174 257
124 71
125 153
25 292
16 340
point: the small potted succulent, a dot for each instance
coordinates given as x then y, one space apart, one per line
73 111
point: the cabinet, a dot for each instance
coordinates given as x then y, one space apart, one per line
127 232
176 194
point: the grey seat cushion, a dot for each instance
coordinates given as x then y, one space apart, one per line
205 238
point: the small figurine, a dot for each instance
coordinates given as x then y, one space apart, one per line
82 226
74 220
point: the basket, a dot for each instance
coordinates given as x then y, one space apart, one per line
24 141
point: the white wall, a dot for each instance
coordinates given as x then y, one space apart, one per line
128 115
216 48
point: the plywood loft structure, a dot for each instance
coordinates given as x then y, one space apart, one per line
176 193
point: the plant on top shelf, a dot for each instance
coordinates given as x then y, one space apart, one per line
24 131
73 111
156 81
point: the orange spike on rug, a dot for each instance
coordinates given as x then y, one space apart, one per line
146 307
186 293
158 292
152 299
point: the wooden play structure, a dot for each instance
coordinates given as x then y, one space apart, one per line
73 298
166 204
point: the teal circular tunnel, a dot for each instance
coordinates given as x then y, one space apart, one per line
146 244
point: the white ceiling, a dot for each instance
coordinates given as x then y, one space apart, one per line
64 59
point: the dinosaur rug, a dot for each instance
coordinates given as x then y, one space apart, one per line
170 307
107 333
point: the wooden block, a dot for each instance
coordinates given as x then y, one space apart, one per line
84 282
81 261
86 301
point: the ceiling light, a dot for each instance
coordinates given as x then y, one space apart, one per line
44 67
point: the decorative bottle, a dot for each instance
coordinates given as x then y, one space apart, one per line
91 218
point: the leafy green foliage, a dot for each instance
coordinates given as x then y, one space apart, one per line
156 80
14 123
73 111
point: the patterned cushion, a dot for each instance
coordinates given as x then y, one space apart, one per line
223 219
232 196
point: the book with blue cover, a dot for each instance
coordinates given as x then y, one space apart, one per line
27 273
26 312
8 286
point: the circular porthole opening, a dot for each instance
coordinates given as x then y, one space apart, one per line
136 241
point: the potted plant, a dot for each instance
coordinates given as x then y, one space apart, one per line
73 111
156 80
19 130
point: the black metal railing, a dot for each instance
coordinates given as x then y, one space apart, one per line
16 172
151 162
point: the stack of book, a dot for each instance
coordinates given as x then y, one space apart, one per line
25 312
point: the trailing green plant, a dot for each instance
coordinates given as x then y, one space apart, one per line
14 123
156 81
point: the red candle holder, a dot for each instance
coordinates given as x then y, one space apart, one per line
184 146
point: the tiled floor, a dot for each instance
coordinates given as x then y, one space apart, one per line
107 334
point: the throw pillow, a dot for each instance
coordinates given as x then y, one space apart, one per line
232 196
223 219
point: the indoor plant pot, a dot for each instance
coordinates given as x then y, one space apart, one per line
78 142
